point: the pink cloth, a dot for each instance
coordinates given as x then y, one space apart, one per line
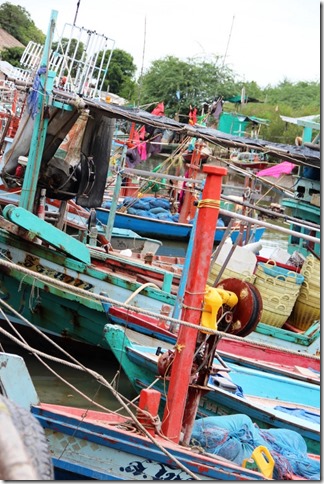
284 168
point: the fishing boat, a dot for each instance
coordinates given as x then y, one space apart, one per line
147 331
164 229
270 400
124 453
102 445
60 281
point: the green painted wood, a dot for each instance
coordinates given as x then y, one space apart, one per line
47 232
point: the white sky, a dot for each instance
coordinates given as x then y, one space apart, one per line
265 41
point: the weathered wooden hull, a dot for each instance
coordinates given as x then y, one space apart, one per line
87 444
56 310
140 366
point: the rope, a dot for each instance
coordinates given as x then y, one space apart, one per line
99 297
101 380
209 203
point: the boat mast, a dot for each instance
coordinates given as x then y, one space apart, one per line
46 77
192 307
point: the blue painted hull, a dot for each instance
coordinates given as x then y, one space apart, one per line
269 390
161 229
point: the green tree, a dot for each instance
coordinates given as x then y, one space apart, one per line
17 22
12 55
180 84
120 74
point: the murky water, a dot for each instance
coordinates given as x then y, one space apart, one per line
51 389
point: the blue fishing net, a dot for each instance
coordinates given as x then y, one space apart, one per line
289 451
234 437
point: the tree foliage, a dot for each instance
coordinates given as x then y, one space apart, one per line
17 22
121 71
183 83
12 55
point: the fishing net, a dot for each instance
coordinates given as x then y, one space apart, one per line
234 437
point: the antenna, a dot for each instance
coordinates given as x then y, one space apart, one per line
229 38
76 12
142 67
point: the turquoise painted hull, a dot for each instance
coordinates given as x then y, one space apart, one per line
142 372
57 311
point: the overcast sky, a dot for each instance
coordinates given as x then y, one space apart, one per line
265 41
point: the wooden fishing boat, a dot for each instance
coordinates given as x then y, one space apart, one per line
147 331
270 400
89 444
164 229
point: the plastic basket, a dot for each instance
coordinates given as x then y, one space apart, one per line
304 315
271 269
228 273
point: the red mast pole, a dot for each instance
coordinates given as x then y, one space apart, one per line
192 302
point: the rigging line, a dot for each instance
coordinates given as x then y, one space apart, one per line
142 66
228 41
118 396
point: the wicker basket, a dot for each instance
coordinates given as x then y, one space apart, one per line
271 269
269 287
304 315
311 270
310 296
289 282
